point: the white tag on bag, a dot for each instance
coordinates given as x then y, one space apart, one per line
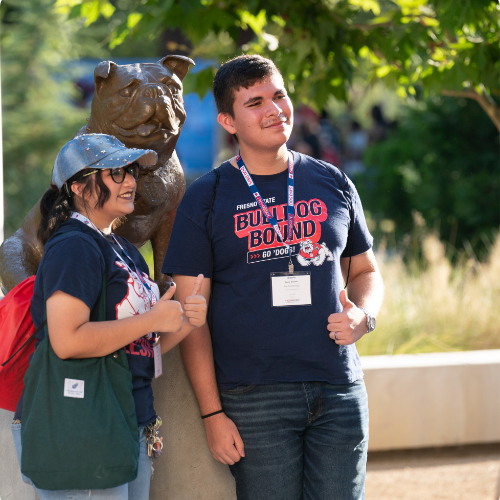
74 388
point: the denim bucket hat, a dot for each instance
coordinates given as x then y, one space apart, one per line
96 151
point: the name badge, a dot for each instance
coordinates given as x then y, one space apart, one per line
291 289
157 355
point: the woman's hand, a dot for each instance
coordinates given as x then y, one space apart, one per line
195 305
72 335
168 314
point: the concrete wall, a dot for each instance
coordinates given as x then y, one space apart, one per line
438 399
415 401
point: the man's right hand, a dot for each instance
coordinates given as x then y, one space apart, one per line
195 305
224 440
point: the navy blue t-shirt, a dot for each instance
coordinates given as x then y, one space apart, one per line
75 266
253 342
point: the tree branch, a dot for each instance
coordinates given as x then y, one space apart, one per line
363 27
368 27
490 107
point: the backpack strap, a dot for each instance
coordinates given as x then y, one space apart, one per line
211 256
351 211
102 299
31 337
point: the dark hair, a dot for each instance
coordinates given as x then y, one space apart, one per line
242 71
57 204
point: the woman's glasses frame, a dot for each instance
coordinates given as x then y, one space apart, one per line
118 174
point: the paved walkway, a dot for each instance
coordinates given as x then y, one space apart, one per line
462 473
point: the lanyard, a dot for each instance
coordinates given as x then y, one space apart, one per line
290 209
147 289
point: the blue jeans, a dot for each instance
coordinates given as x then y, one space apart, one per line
138 489
303 441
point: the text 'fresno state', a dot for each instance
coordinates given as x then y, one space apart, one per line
261 235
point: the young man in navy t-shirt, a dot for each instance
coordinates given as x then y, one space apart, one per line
277 374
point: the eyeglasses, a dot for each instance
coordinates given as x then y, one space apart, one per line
118 174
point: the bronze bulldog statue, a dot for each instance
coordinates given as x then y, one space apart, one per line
141 105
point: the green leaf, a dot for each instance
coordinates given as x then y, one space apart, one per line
63 6
74 12
255 22
429 21
367 5
383 71
401 91
384 18
279 21
118 38
67 7
463 45
364 52
107 10
91 11
411 4
132 19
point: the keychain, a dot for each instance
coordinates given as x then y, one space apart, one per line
153 440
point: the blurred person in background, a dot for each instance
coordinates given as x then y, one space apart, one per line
355 145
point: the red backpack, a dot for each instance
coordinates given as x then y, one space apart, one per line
17 331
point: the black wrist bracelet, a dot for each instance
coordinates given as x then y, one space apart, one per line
212 414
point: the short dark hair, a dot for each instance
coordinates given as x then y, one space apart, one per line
242 71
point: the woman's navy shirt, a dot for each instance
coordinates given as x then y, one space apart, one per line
75 266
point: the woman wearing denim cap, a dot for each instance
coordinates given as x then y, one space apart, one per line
94 182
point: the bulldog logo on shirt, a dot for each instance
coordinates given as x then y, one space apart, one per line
312 253
135 302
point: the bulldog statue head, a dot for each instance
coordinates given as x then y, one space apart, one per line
141 104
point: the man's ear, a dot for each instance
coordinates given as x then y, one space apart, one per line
179 65
101 72
226 121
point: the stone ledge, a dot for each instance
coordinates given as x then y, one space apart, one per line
437 399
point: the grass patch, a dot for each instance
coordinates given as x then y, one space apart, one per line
432 306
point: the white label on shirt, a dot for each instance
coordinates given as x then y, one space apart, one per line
74 388
158 367
291 289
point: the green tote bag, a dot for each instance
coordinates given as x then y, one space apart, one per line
79 428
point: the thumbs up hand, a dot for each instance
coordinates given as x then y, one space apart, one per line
167 314
170 292
348 325
195 305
